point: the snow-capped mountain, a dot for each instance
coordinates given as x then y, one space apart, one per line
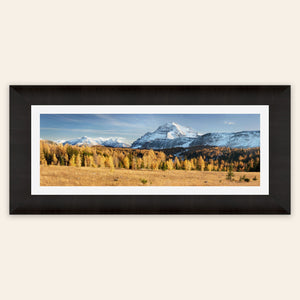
242 139
173 135
108 142
169 135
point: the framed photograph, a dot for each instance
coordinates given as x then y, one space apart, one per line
150 150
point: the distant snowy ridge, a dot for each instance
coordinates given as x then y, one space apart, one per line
242 139
108 142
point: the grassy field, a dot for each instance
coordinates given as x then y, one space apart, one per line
72 176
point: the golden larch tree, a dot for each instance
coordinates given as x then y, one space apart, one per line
43 161
100 161
187 165
72 161
78 160
170 164
54 159
201 163
126 162
110 162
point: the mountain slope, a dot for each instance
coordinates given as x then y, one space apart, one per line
242 139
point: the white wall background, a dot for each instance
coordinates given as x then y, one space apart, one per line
149 257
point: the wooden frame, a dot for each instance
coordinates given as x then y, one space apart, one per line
22 97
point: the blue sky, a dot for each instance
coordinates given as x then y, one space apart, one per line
133 126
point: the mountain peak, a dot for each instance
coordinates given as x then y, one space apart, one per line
171 134
170 123
172 130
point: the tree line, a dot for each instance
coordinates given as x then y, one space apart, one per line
104 157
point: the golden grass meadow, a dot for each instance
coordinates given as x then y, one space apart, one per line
89 176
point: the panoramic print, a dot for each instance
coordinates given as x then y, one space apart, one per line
149 149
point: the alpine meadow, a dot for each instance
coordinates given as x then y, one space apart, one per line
150 150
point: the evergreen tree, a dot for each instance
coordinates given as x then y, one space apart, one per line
230 174
85 161
66 159
164 166
177 163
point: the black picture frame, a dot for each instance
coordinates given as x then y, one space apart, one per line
277 97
